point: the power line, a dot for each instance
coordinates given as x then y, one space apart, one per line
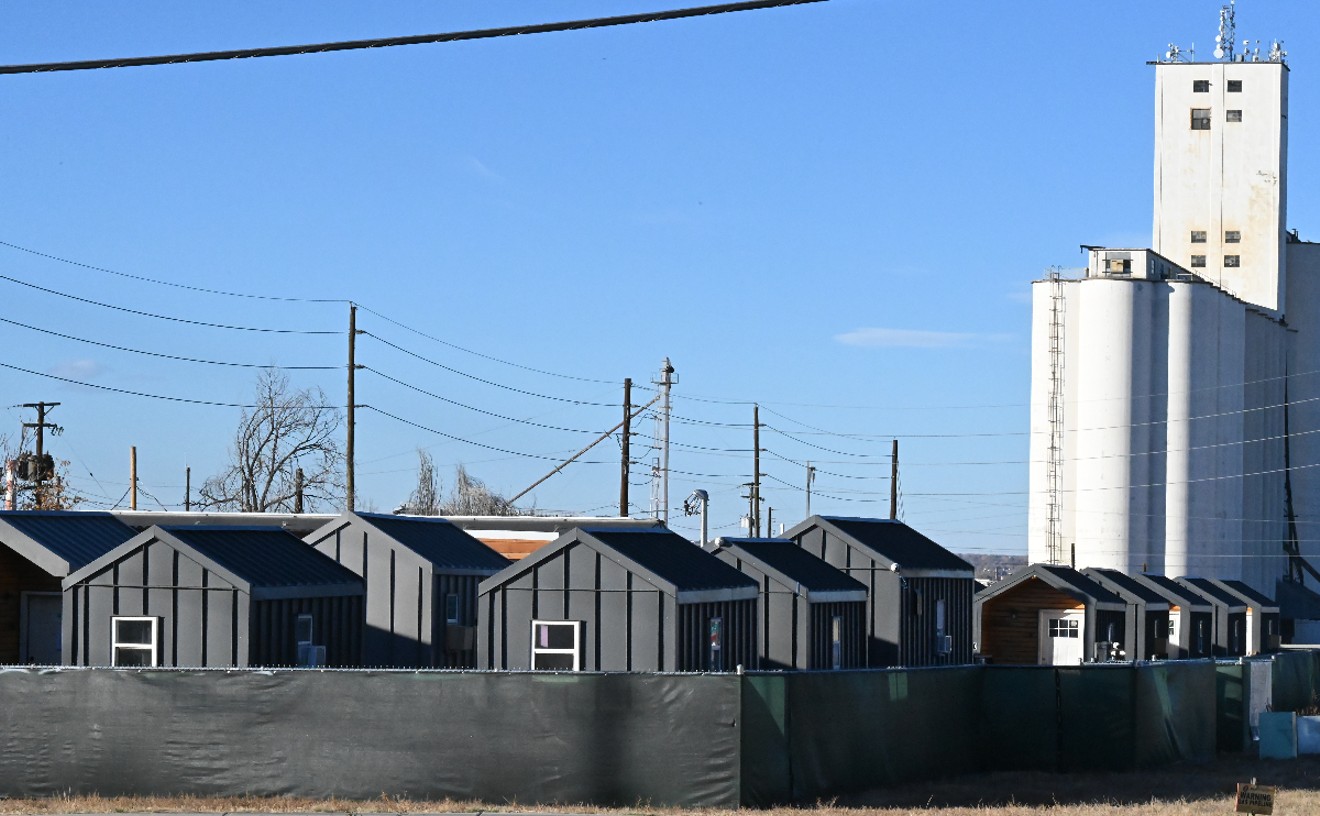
386 42
160 316
428 429
167 356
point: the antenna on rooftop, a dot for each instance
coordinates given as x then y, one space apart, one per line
1227 31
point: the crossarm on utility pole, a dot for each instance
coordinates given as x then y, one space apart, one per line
574 457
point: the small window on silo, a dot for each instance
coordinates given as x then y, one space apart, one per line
134 641
1200 86
1200 118
1198 236
1232 260
556 645
1233 116
451 609
1198 261
1235 86
1232 237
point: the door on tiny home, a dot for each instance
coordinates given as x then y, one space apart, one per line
1062 636
40 628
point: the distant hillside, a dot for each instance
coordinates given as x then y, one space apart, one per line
993 565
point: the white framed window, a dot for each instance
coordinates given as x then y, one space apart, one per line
134 641
452 613
1064 628
304 630
556 645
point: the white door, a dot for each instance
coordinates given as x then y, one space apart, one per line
40 628
1062 636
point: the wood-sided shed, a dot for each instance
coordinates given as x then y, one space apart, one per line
618 600
38 549
421 575
919 594
1047 614
213 597
1145 633
812 616
1230 629
1191 617
1262 616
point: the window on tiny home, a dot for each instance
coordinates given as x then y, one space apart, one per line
452 614
1064 628
942 641
1200 638
1200 118
134 641
556 645
715 654
836 642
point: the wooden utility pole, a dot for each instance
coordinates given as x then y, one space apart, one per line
756 471
352 420
298 490
811 477
38 493
893 482
132 477
187 489
624 442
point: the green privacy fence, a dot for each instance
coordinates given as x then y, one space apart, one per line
613 739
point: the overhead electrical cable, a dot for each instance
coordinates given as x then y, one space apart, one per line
386 42
168 356
174 284
141 313
428 429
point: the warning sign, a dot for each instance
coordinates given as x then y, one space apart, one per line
1255 798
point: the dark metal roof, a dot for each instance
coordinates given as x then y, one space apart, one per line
671 558
794 564
898 542
1254 598
1064 579
1174 591
265 557
1125 583
76 538
441 542
1216 594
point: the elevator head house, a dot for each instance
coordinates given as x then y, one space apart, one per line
812 615
421 577
1049 615
38 549
618 600
920 594
229 597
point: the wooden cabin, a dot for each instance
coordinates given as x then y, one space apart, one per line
1049 615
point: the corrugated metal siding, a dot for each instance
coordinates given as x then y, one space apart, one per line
919 641
819 650
738 643
336 625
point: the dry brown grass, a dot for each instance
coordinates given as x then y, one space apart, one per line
1180 790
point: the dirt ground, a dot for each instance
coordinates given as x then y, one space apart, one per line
1179 790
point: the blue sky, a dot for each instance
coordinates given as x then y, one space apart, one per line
833 210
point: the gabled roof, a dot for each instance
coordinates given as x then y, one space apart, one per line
891 541
791 565
265 562
438 541
664 559
1064 579
1127 587
1252 598
1178 594
60 542
1217 595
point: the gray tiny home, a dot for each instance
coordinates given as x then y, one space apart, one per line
421 576
228 597
1230 629
812 616
1145 634
919 594
1049 615
618 600
1191 617
38 549
1262 616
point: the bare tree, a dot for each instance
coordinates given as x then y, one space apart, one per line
425 498
471 497
284 448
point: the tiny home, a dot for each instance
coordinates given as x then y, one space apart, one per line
1049 615
919 594
1230 628
1262 616
1146 628
1191 617
618 600
421 575
812 616
38 549
228 597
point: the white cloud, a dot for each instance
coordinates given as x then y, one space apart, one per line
77 369
480 168
912 338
